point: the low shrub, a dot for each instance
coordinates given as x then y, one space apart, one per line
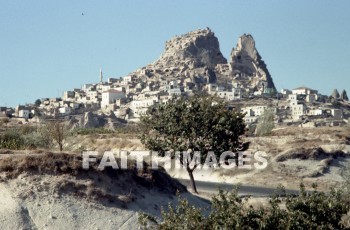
90 131
307 210
24 138
11 139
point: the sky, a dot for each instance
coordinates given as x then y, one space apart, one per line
47 47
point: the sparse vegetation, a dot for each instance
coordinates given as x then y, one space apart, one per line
25 137
4 121
57 130
113 185
308 210
90 131
265 123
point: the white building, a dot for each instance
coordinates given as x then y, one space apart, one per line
127 79
298 110
174 92
110 97
310 98
337 114
235 94
304 91
65 111
24 113
315 112
85 87
292 97
286 91
68 95
254 110
140 107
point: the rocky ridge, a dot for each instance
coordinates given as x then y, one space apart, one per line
195 49
196 57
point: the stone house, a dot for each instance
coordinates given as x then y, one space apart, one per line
304 91
174 92
68 95
315 112
110 97
310 98
298 111
64 111
337 114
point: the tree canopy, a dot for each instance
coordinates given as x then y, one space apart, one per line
199 123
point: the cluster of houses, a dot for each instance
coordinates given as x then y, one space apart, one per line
299 105
130 97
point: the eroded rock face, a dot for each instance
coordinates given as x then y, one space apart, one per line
247 65
195 49
196 57
88 121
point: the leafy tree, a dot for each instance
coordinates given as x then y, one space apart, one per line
196 124
37 102
265 123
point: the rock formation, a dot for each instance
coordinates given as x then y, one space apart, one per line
196 56
335 94
344 95
198 48
247 65
88 121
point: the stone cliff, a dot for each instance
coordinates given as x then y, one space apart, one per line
197 56
195 49
246 64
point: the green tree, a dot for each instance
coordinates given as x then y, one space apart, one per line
37 102
265 123
196 124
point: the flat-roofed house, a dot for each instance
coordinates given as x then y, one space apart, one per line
110 97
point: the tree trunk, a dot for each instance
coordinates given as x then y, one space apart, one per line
61 146
192 182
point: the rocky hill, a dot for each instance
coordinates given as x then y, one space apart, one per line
198 48
247 65
196 57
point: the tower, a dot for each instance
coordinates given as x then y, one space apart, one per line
101 76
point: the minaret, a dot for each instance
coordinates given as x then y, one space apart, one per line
101 76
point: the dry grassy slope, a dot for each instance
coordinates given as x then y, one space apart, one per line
302 154
104 142
294 154
51 191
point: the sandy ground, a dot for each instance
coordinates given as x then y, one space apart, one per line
29 202
32 203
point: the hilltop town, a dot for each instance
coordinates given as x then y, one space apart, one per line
190 63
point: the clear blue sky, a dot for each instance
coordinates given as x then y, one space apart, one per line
47 47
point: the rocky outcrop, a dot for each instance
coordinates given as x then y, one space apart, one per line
247 65
344 95
88 121
196 57
195 49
